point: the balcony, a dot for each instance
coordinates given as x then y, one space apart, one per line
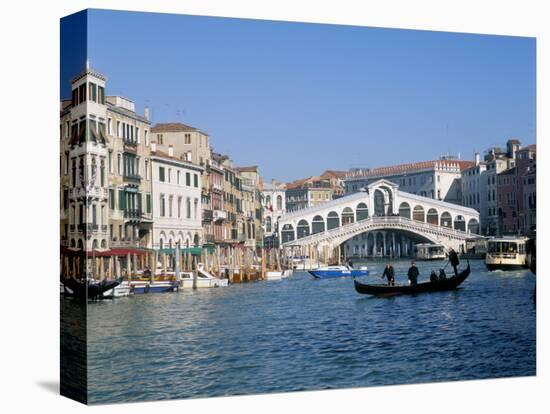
130 146
87 227
219 215
207 215
216 187
132 214
94 192
132 178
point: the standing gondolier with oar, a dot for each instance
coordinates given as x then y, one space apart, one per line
453 259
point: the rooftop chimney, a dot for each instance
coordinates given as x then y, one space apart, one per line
477 158
146 113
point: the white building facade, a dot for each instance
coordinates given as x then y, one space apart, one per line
176 189
439 179
274 206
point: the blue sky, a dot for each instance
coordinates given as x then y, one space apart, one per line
297 98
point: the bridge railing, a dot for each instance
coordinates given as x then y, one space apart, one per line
378 220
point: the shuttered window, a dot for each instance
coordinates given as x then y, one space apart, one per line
121 200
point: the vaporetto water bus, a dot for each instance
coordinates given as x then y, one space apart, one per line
506 253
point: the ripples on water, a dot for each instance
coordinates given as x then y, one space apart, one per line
306 334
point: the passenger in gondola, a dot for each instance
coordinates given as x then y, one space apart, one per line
442 275
453 258
350 264
413 274
433 277
389 274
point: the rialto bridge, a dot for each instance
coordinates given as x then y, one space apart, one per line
380 220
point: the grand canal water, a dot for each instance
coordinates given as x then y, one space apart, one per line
306 334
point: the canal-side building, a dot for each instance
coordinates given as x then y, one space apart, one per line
129 179
104 154
525 162
176 194
252 206
437 179
530 200
213 213
84 151
188 142
474 187
274 206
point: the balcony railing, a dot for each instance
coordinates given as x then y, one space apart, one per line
95 192
132 213
132 178
207 215
87 227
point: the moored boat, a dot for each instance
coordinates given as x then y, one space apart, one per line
441 285
204 279
326 272
88 289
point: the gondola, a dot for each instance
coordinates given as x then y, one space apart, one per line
91 289
441 285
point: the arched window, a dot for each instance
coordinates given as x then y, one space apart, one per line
347 216
268 201
302 229
196 240
279 202
317 225
268 224
362 212
405 210
287 233
333 220
473 226
418 214
432 216
103 244
446 220
460 223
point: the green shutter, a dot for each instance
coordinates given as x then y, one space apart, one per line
196 178
139 202
111 199
121 200
148 201
188 179
161 174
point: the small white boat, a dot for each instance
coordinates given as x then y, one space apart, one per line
429 251
204 279
277 274
119 291
305 263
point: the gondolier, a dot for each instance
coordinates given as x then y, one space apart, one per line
413 274
389 274
453 258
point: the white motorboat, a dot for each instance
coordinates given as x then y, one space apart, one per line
277 274
119 291
204 279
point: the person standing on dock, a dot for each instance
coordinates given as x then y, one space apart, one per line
389 274
453 258
413 274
